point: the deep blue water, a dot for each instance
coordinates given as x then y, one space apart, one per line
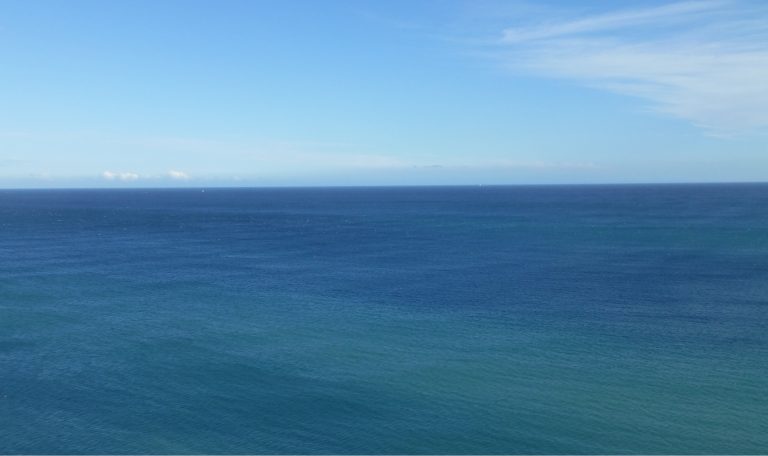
563 319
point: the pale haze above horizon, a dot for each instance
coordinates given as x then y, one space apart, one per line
262 93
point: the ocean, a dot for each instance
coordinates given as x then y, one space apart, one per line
429 320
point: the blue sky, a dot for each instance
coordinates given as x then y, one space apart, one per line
203 93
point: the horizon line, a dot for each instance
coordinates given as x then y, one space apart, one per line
277 187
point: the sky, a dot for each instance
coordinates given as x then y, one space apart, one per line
167 93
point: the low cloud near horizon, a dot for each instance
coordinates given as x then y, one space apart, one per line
128 176
178 175
120 176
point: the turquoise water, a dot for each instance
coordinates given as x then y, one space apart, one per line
585 319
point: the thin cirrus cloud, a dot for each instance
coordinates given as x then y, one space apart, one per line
702 61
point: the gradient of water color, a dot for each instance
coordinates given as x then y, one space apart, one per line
584 319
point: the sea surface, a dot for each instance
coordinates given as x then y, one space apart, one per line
531 319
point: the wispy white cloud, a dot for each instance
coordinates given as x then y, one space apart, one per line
670 13
702 61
